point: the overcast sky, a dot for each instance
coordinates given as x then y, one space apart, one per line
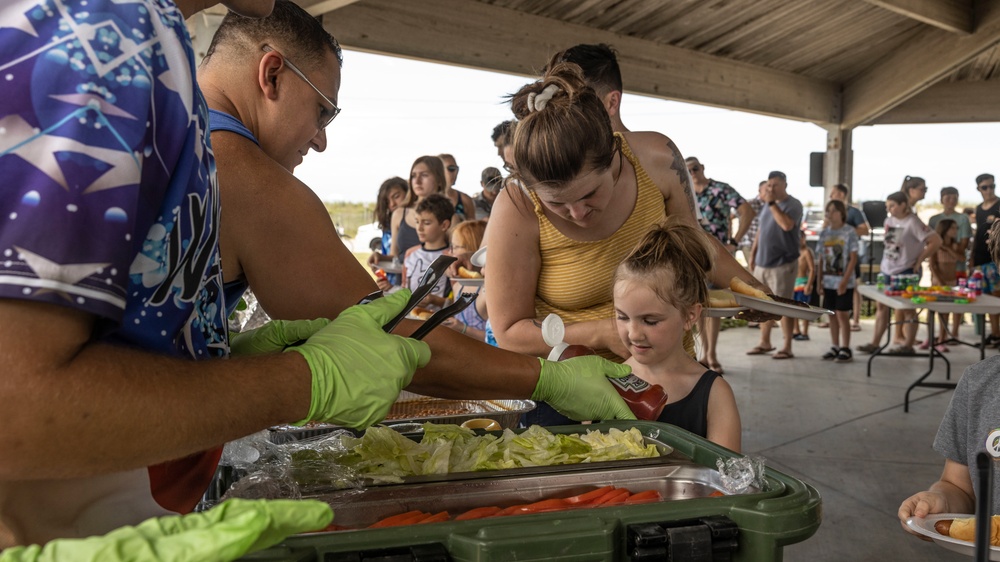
395 110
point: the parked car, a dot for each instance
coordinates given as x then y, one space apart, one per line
812 224
369 237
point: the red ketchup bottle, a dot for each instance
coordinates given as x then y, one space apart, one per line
645 400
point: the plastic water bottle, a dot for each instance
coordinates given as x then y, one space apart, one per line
976 283
880 282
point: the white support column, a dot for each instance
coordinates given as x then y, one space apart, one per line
838 163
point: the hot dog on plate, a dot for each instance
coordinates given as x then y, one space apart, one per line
964 529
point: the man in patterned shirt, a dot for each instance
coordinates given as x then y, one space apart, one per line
716 201
111 292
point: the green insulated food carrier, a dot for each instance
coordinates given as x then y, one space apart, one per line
697 521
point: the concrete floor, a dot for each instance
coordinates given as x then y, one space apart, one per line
847 435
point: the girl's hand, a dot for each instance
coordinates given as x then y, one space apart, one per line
374 259
921 504
842 287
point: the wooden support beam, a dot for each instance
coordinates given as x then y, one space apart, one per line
320 7
917 65
949 102
838 161
950 15
479 35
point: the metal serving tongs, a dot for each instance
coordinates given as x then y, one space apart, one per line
460 304
431 277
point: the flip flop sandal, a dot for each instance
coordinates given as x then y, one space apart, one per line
855 327
782 355
760 350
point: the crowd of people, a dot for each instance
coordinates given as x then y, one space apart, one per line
119 313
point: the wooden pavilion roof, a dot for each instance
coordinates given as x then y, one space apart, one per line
841 63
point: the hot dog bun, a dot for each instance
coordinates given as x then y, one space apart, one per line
421 312
740 286
965 529
468 274
720 298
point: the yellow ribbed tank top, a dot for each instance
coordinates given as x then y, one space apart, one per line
576 279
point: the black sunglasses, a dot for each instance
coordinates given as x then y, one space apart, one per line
694 169
453 168
985 187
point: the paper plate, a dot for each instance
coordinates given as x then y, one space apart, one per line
925 526
478 259
780 308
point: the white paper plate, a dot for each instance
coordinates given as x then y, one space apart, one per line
722 312
780 308
925 526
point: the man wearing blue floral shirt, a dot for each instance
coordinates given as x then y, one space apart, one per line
716 201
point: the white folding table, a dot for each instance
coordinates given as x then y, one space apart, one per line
984 304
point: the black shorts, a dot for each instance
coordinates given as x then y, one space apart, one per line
833 301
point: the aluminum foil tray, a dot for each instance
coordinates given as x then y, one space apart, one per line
414 408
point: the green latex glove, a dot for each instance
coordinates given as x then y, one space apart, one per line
274 336
577 388
226 532
358 370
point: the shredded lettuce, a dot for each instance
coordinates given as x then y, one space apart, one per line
385 455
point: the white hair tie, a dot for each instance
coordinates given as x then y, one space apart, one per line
536 102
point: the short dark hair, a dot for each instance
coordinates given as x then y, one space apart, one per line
948 191
842 187
289 28
502 131
777 174
839 207
983 177
599 64
492 179
438 205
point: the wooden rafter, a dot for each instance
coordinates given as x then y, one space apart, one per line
917 65
949 102
479 35
320 7
949 15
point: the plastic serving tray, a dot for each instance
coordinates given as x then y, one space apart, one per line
747 527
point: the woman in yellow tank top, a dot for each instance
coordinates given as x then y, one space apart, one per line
591 195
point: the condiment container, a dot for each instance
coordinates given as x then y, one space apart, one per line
644 399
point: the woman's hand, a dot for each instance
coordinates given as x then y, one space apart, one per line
842 286
374 259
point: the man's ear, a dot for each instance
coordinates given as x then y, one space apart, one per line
268 71
612 102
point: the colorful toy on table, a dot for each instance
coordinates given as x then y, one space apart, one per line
921 295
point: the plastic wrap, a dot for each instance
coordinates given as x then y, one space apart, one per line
248 314
739 474
291 470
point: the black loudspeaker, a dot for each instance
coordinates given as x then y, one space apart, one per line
816 168
875 213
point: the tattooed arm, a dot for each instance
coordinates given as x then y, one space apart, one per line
665 165
679 168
